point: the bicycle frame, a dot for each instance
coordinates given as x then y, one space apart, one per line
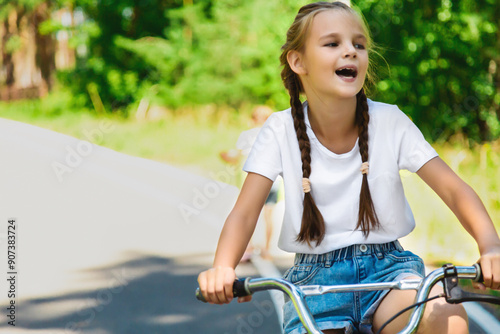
297 294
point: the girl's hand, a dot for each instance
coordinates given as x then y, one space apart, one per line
216 285
490 267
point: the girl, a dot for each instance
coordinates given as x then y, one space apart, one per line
339 155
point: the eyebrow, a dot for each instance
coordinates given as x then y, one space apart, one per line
334 34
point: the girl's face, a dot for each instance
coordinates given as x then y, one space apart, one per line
335 59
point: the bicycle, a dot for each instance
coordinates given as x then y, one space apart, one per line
448 274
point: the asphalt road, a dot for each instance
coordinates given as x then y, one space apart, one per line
108 243
159 301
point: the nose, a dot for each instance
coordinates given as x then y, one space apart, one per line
350 51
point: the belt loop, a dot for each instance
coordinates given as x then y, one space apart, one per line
336 255
328 259
347 252
377 250
398 246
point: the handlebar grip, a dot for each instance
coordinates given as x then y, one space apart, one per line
240 289
479 277
199 296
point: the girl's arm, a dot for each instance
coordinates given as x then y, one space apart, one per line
471 213
216 284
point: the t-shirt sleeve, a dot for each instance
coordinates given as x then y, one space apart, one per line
265 156
413 150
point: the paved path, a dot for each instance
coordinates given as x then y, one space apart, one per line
105 208
92 222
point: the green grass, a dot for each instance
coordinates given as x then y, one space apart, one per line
193 138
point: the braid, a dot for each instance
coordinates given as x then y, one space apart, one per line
313 225
367 217
301 131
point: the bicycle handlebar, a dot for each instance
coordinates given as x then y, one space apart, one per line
449 274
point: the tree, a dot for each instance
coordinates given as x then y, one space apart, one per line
106 70
27 54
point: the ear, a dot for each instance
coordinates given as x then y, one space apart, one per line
296 62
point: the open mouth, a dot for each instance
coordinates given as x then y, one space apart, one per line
347 72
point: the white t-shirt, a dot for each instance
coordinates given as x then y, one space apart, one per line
395 143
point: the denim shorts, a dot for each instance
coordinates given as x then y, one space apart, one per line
365 263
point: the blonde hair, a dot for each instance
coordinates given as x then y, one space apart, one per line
313 226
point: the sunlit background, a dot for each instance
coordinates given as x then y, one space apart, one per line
176 82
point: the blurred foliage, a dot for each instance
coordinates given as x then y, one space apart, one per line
176 54
444 59
120 78
443 56
227 54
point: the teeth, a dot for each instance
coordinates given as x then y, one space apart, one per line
347 72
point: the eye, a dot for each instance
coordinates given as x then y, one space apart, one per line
332 44
359 46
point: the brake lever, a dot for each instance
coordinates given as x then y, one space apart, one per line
455 295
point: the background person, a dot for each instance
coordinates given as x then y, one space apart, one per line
235 156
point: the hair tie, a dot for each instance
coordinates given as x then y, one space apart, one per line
306 185
364 167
